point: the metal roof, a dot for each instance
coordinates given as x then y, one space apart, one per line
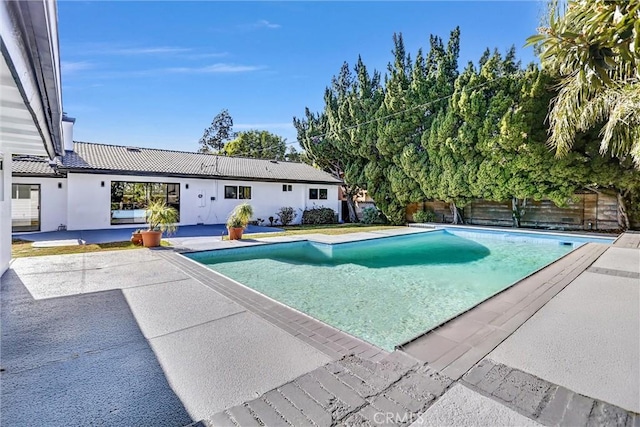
102 158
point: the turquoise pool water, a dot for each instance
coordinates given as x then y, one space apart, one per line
389 290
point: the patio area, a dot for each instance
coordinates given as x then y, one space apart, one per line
148 337
210 231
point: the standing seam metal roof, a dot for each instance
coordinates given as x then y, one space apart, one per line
102 157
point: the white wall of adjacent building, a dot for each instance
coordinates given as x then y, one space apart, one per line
85 199
53 201
5 213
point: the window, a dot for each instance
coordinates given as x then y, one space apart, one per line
287 187
129 200
25 209
230 192
240 192
20 192
244 192
318 193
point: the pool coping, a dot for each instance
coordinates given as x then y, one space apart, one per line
324 337
457 345
497 293
313 238
333 342
613 237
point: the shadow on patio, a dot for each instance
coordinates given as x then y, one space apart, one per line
79 360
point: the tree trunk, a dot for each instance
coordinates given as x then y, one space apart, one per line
623 217
518 210
351 204
350 192
457 218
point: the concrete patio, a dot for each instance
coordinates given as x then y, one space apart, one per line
146 337
187 232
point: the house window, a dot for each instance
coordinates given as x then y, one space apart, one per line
129 200
244 192
230 192
239 192
287 187
318 193
25 209
20 192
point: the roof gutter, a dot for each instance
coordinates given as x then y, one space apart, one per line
179 175
29 45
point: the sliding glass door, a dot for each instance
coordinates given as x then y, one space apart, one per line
25 207
129 200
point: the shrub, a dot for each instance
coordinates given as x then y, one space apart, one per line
161 217
370 216
319 215
286 215
240 216
424 216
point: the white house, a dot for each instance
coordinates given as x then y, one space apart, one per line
98 186
30 99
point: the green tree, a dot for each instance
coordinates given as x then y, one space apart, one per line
216 135
594 47
432 84
293 155
257 144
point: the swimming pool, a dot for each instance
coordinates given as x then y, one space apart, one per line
390 289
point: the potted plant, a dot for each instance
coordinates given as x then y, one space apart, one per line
238 220
136 237
160 218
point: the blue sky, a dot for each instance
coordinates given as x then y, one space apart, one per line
154 73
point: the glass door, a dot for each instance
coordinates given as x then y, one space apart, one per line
25 207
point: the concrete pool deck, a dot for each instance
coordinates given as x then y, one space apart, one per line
184 233
203 347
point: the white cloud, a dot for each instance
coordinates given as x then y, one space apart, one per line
206 55
215 68
259 25
160 50
70 67
266 24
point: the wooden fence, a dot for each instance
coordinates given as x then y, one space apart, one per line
589 211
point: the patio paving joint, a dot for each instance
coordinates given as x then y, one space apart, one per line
541 400
350 391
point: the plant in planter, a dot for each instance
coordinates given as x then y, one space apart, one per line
136 237
160 218
238 220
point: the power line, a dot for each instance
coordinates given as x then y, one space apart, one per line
397 113
388 116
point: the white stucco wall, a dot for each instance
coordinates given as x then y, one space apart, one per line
88 203
53 200
5 214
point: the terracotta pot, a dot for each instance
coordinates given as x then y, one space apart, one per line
151 239
136 238
235 233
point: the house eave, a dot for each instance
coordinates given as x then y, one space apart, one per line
191 176
29 47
